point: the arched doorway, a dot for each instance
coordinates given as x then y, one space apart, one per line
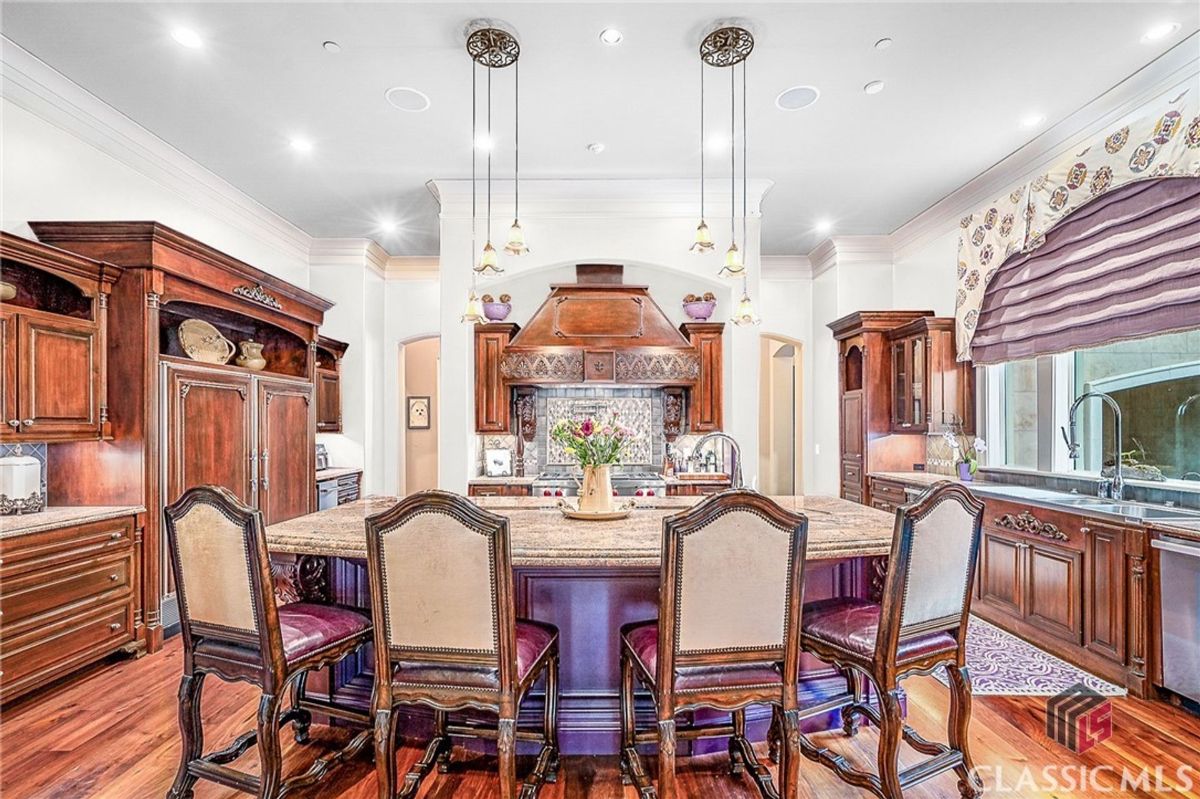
420 364
780 420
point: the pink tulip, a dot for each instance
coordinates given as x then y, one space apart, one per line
587 428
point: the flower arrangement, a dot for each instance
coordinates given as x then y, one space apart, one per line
966 452
590 442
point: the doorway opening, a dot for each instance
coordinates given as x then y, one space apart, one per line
780 419
420 411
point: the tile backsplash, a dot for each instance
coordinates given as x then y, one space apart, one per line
638 408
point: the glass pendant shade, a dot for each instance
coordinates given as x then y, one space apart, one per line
473 313
704 242
733 262
745 315
488 263
516 240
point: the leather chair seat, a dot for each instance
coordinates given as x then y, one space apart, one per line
533 640
308 627
642 640
852 625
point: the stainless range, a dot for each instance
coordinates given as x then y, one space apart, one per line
625 484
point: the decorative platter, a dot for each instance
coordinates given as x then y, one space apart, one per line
203 342
613 515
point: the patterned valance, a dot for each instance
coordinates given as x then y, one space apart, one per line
1162 144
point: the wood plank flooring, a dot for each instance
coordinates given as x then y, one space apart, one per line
113 734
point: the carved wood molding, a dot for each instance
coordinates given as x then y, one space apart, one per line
1026 522
564 366
257 293
641 367
672 413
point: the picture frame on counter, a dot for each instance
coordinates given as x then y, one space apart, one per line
498 462
420 413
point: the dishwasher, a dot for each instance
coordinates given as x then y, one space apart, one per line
1179 569
327 494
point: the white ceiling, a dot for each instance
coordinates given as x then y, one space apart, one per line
959 78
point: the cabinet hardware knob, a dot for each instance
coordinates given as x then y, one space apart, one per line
14 423
114 626
27 423
1085 530
115 536
112 577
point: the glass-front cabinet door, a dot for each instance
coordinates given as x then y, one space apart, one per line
901 385
917 349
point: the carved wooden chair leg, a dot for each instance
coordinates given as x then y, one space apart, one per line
789 767
891 733
191 726
440 720
385 753
303 718
269 752
855 686
506 751
774 735
666 758
969 785
628 746
550 718
737 763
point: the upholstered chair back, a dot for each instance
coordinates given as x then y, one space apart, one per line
732 578
219 559
933 560
441 577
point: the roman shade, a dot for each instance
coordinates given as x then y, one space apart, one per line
1125 266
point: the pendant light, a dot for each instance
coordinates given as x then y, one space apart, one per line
704 243
516 236
725 48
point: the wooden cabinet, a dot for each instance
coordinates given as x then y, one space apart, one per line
492 395
286 457
706 400
930 390
499 490
887 495
684 488
1105 595
1002 572
349 487
210 433
70 598
329 384
52 344
1054 590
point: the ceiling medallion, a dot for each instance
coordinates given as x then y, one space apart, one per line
494 48
725 47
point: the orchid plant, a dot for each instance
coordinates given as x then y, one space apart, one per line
590 442
965 450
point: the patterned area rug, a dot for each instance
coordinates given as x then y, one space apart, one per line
1003 665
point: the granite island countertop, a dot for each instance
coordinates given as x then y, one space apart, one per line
541 537
56 516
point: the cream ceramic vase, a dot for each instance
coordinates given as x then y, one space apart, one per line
595 493
251 356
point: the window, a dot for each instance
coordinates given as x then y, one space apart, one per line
1155 381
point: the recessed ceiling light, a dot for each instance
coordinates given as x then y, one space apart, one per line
407 99
188 38
387 225
1032 120
301 144
797 97
596 147
874 87
1160 31
824 225
332 47
883 43
611 36
482 142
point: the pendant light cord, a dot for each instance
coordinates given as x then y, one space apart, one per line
517 141
745 149
701 140
489 156
474 159
732 157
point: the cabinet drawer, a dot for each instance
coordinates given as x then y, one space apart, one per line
882 504
37 552
1058 528
29 599
486 490
852 474
851 493
41 654
890 492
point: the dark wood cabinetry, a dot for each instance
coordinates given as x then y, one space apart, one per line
705 402
931 391
53 374
328 377
71 597
176 422
499 490
493 396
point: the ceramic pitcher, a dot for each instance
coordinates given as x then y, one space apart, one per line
595 493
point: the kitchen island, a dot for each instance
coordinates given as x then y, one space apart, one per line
588 578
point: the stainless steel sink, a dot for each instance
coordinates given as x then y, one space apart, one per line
1130 510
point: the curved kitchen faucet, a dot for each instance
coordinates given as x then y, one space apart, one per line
1180 413
1117 484
735 466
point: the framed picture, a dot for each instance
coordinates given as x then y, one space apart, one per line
497 462
419 413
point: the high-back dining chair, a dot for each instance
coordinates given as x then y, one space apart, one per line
920 625
232 627
727 636
447 637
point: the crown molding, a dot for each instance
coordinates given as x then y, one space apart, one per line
1173 71
35 86
823 257
785 267
413 267
601 199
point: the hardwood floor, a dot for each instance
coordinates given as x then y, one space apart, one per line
113 734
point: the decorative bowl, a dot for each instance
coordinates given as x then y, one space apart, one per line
497 311
700 310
